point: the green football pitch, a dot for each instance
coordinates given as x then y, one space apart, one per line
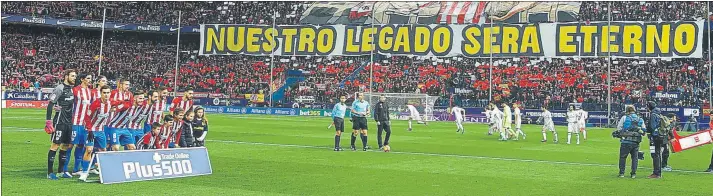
278 155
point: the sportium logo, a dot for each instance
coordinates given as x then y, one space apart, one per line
165 165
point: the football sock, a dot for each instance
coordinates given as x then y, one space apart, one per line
569 137
62 161
68 154
336 141
85 165
353 139
555 135
585 133
409 124
78 154
363 140
544 136
50 160
577 137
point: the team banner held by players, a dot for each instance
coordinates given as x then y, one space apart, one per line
140 165
679 39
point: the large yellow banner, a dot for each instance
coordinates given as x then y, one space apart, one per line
620 39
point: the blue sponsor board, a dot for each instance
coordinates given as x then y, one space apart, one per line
98 24
475 115
141 165
29 96
251 110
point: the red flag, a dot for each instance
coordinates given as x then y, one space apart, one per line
691 141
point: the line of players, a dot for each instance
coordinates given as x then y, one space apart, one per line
501 122
89 118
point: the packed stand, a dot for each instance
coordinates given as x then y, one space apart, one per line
642 10
164 12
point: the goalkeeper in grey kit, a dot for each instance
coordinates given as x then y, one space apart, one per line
383 122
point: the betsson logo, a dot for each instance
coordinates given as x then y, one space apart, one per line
166 165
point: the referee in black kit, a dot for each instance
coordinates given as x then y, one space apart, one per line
360 109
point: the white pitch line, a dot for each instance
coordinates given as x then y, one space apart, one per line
453 155
23 129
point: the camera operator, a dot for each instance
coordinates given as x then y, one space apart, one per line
658 136
630 130
692 124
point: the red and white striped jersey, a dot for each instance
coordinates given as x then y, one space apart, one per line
82 99
463 12
164 131
125 112
180 102
117 95
95 95
156 112
149 141
139 116
98 115
176 131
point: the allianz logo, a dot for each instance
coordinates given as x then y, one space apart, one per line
258 111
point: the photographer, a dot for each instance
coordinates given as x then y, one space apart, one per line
630 131
692 124
659 132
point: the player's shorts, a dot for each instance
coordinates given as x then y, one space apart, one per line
79 134
147 128
508 124
459 120
548 127
62 134
121 137
572 128
518 124
339 124
416 116
359 123
172 145
136 133
98 141
582 125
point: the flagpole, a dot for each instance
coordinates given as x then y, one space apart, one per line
371 65
707 20
272 56
101 44
609 98
490 78
178 44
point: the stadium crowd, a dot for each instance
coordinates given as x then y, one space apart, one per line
164 12
35 55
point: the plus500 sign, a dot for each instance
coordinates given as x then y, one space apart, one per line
164 168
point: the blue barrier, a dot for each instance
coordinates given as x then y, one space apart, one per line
142 165
98 24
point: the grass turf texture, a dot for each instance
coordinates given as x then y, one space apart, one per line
271 155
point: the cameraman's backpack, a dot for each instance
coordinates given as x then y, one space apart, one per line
633 130
664 126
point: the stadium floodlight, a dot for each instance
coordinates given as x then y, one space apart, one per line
424 103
